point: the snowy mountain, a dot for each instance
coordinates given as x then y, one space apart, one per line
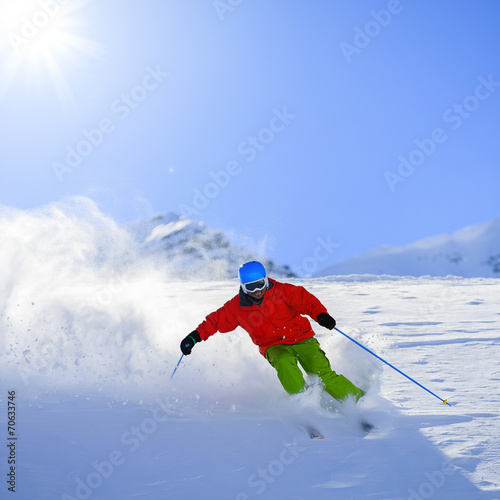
194 251
471 252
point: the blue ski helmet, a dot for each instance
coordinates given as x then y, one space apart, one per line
252 271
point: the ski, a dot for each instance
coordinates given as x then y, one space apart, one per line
368 429
314 434
311 431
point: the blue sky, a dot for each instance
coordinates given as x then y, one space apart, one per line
304 125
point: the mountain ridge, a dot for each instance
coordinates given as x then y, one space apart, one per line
473 251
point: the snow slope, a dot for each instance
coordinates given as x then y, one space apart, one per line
88 342
471 252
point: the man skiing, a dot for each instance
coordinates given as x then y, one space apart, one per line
271 313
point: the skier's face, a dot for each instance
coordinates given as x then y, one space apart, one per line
257 295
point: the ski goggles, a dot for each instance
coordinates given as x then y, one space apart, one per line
255 286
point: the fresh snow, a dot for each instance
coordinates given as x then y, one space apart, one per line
90 336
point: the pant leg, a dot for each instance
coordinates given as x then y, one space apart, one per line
314 361
284 361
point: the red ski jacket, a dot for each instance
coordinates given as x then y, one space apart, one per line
276 320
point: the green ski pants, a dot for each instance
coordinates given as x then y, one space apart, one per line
308 353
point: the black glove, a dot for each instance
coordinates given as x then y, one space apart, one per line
188 343
324 319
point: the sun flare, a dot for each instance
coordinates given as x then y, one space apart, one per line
38 40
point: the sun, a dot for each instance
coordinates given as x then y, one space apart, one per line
39 37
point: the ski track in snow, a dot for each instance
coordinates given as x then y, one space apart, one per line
98 416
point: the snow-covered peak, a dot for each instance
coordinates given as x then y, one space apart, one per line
163 230
473 251
191 250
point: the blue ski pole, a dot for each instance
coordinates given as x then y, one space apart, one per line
445 401
177 366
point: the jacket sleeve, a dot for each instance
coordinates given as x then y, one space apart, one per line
305 302
223 320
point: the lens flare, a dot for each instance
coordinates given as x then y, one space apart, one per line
38 40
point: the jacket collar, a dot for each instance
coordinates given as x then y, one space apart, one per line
246 301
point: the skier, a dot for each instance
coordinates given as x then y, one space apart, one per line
271 313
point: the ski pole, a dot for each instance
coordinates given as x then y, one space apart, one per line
177 366
445 401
